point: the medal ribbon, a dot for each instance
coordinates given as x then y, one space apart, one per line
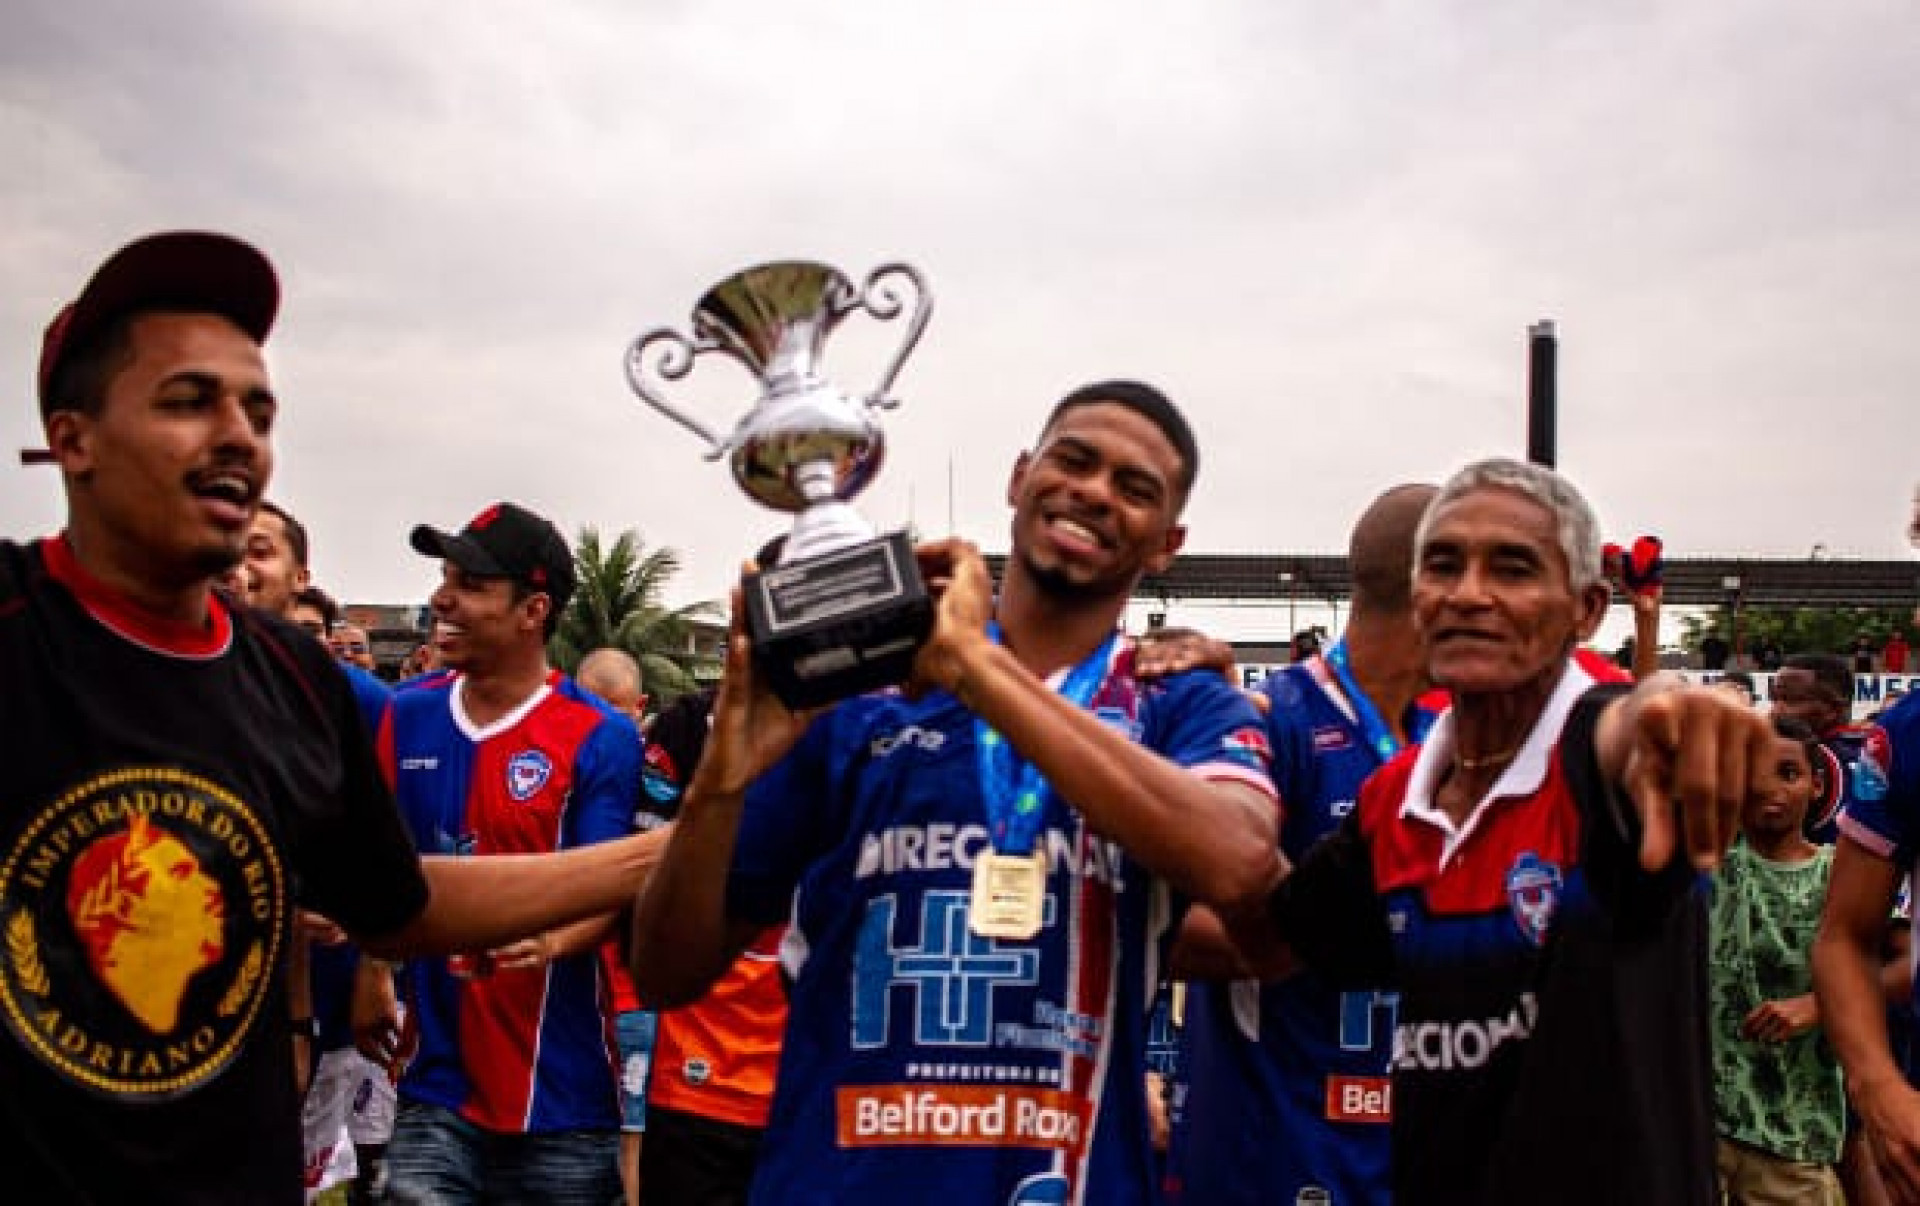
1374 730
1012 788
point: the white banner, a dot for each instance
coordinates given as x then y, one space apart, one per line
1869 690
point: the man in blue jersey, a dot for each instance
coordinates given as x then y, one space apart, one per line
511 1094
1878 851
1817 690
1287 1083
981 876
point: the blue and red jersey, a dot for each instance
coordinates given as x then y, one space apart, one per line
1859 780
520 1051
1286 1084
1551 1041
920 1054
1883 811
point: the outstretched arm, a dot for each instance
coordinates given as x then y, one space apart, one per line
1206 948
682 937
1214 841
1646 632
1688 758
478 903
1853 1006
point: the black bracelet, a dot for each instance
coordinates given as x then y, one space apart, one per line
307 1028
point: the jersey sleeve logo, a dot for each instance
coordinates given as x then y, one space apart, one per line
142 915
1533 894
1247 746
1878 749
528 772
1868 774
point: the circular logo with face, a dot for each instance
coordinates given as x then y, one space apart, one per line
141 915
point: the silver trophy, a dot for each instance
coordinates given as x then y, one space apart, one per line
844 610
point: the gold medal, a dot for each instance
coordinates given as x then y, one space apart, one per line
1009 894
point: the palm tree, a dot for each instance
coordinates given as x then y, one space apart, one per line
618 603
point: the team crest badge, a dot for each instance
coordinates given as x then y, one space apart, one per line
142 915
1533 893
527 773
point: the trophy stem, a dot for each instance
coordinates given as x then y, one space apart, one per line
815 481
828 524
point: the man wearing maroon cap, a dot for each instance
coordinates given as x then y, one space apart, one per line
183 775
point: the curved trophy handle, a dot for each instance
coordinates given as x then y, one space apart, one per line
676 361
883 303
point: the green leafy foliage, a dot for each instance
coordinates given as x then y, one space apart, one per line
619 604
1798 629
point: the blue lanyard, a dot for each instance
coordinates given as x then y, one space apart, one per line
1373 729
1013 788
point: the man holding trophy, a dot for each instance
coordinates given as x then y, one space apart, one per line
982 873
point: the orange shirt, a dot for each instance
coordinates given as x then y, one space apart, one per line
718 1057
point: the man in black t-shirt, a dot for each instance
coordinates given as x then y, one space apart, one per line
183 771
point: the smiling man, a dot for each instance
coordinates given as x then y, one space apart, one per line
511 1096
982 877
158 736
1521 877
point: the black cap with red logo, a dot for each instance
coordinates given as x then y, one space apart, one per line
506 541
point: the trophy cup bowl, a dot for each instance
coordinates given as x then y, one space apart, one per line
844 610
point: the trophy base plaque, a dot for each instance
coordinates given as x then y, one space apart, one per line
839 623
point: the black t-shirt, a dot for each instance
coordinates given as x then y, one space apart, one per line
1552 1043
168 797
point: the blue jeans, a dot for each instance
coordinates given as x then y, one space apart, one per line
438 1158
634 1031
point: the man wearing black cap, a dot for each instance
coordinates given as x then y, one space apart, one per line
511 1094
182 774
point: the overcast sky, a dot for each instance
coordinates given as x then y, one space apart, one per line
1323 228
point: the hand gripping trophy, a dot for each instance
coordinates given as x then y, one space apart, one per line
845 610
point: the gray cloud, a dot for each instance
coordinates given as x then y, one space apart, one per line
1325 228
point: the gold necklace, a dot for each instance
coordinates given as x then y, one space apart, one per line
1484 761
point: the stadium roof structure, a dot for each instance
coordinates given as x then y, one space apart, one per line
1690 581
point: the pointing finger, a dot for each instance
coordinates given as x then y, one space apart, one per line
1648 779
1696 790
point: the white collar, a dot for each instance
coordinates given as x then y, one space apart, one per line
1321 677
1523 776
456 699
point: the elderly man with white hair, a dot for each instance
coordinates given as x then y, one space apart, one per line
1527 877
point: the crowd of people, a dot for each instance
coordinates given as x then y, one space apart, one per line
1447 910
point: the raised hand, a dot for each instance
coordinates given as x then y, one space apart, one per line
1689 759
1778 1021
752 729
956 575
1168 651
